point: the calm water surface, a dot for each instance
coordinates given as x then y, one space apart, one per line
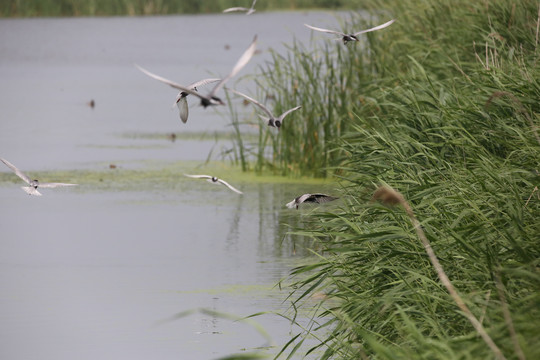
89 273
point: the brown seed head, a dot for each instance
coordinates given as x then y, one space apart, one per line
388 196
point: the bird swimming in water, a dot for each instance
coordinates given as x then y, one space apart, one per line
350 37
271 119
249 11
310 198
210 99
215 180
34 184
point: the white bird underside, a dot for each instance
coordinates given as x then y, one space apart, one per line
214 180
291 204
30 190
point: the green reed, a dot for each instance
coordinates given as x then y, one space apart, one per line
323 81
24 8
446 112
328 79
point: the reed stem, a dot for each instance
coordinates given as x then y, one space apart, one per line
390 196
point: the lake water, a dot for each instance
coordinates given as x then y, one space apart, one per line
91 272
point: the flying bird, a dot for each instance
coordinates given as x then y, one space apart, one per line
350 37
210 99
249 11
215 180
33 184
181 100
310 198
271 119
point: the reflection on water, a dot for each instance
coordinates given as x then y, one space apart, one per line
80 269
92 272
89 273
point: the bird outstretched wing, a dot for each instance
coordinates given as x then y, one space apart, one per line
54 185
325 30
388 23
242 61
250 99
17 172
229 186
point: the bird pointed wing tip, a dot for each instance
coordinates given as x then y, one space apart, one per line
375 28
7 163
17 172
235 9
229 186
198 176
242 61
55 185
321 198
325 30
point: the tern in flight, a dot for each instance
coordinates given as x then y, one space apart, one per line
210 99
215 180
350 37
181 100
33 184
271 119
249 11
310 198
